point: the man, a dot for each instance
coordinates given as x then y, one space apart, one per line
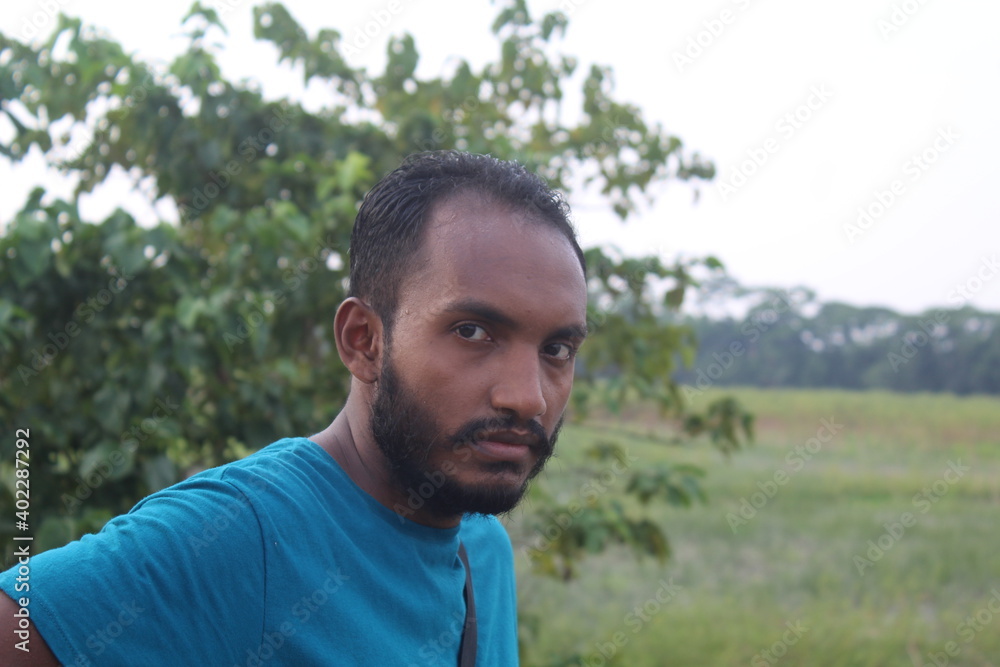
466 308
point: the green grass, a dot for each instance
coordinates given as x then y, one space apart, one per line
794 560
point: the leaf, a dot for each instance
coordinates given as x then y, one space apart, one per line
552 22
353 172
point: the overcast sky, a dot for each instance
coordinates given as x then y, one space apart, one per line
810 111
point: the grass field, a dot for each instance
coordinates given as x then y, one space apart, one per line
875 543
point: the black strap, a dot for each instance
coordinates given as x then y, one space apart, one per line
467 649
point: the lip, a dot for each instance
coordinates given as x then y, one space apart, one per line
506 446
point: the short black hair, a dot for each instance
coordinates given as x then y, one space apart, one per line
388 229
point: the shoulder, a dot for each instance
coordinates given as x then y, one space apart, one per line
196 545
280 464
274 470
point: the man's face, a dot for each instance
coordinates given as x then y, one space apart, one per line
478 368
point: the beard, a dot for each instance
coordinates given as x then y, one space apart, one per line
408 435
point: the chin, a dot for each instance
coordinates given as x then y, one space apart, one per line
491 493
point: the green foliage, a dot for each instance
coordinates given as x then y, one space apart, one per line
140 354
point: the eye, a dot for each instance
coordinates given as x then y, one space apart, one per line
472 332
560 351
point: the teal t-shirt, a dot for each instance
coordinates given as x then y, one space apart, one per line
277 559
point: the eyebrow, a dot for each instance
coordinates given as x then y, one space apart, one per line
488 313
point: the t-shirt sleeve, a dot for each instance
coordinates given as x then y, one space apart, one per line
179 580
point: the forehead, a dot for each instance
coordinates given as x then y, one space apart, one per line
476 248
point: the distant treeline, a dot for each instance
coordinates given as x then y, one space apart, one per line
838 345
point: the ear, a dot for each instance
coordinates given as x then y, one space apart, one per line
358 331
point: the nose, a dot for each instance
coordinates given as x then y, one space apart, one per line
518 388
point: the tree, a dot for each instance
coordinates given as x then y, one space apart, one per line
848 347
139 355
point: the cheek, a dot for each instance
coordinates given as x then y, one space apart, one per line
557 392
449 385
